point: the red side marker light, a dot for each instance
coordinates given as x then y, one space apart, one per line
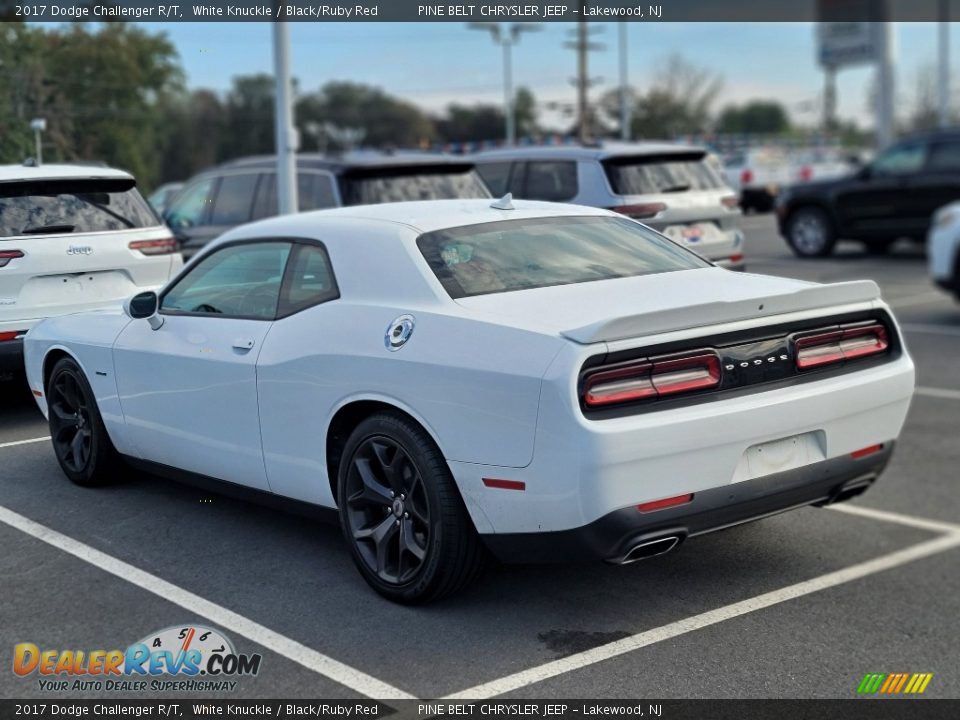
504 484
12 335
863 452
665 503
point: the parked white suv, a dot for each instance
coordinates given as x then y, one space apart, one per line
73 238
676 189
943 248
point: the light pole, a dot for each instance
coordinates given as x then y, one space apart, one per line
943 71
507 38
624 86
286 134
38 125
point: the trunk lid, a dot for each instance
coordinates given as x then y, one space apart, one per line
610 310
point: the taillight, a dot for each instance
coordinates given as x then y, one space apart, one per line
806 173
7 255
11 335
160 246
844 343
644 210
746 176
652 378
729 201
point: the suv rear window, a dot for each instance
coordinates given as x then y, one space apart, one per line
522 254
72 206
397 184
652 174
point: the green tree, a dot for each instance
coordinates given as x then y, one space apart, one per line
248 117
764 117
484 121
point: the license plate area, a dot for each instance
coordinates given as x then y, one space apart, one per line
781 455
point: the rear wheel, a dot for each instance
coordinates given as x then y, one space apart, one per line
80 441
402 516
810 232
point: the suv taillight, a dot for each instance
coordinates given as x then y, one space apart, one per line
644 210
844 343
7 255
159 246
652 378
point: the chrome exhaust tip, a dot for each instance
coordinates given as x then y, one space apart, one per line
650 548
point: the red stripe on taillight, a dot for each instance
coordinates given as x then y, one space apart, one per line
652 378
863 452
806 173
644 210
736 258
845 343
159 246
7 255
504 484
665 503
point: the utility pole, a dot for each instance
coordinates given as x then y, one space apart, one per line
829 97
38 125
583 81
507 38
885 95
624 86
943 70
286 134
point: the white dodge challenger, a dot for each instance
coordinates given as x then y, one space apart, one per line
460 379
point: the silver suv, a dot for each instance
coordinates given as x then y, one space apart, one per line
676 189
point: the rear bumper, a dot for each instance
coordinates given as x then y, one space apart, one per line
612 536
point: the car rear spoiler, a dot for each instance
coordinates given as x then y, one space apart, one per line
714 313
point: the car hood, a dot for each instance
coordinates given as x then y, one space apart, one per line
609 310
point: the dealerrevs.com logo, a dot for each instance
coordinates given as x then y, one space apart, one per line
180 658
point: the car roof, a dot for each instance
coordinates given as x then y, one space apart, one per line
356 159
602 151
429 215
20 173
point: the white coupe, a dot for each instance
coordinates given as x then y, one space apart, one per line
464 378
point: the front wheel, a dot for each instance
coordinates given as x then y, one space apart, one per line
810 232
80 441
401 513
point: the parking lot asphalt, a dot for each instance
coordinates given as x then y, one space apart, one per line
798 605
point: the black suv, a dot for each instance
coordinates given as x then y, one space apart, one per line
244 190
893 197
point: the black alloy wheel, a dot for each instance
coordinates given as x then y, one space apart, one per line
80 441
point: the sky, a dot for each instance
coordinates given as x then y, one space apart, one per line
433 64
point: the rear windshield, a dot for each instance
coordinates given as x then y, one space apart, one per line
382 185
72 206
652 174
522 254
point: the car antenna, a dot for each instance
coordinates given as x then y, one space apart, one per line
504 203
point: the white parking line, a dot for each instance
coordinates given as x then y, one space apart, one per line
937 526
24 442
932 329
712 617
292 650
937 393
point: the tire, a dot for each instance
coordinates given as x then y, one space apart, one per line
810 232
80 441
402 515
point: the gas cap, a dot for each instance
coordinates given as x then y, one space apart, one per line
398 332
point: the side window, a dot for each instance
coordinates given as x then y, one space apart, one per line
945 157
310 280
234 201
266 203
191 206
238 280
314 191
496 175
901 160
551 180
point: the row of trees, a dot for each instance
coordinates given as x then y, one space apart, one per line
117 93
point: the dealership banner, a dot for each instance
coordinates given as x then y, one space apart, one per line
485 710
530 11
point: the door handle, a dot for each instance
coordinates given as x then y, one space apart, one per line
243 343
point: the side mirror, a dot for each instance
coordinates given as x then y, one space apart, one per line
144 306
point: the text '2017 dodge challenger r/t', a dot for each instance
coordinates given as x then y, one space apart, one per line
461 377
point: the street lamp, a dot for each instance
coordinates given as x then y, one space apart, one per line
507 37
38 125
